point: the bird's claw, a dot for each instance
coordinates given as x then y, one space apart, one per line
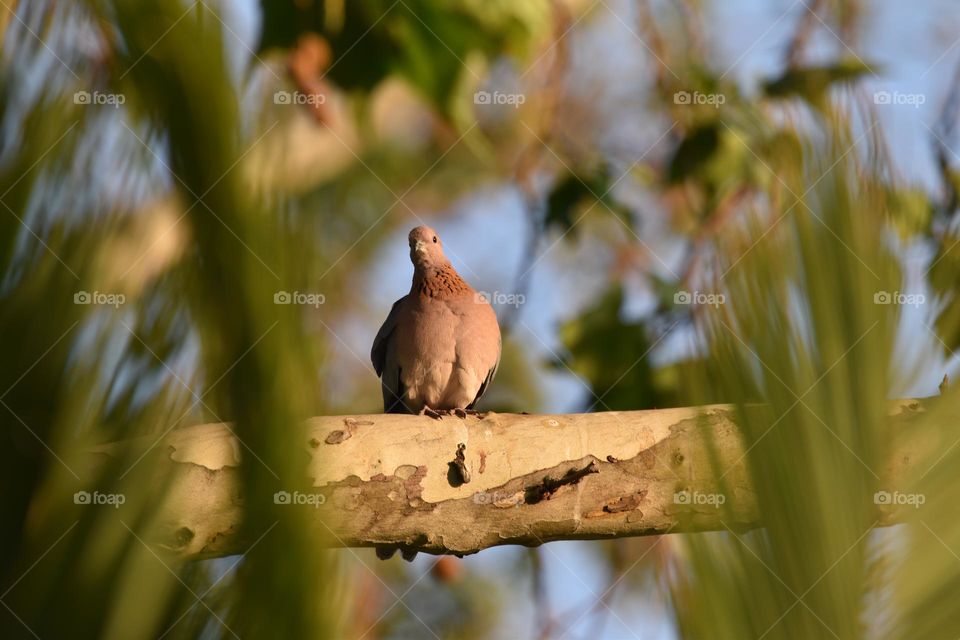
438 414
385 553
432 413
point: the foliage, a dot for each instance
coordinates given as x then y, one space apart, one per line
143 244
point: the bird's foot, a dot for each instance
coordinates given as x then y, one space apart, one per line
385 553
438 414
433 413
463 413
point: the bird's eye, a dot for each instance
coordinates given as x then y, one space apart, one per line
434 238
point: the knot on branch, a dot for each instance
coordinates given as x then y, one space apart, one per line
458 474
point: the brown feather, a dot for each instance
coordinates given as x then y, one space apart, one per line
440 283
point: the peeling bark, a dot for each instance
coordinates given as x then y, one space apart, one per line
385 480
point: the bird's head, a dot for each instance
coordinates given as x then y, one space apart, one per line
426 249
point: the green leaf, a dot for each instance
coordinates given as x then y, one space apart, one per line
715 157
812 83
694 152
572 192
428 43
944 283
611 355
911 211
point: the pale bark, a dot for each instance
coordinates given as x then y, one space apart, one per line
392 480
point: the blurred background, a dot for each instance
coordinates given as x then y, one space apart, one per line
669 202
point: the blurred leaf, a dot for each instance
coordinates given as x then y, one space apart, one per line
611 355
782 151
714 157
944 271
573 193
911 211
807 354
802 350
812 83
695 151
954 177
426 42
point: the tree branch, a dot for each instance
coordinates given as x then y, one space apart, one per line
387 480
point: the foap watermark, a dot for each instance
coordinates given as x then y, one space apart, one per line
299 297
897 298
501 299
500 499
99 298
97 98
298 97
698 98
499 97
699 298
895 98
895 498
696 498
310 499
96 498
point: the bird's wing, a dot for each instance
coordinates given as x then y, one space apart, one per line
392 389
378 354
384 358
489 378
479 342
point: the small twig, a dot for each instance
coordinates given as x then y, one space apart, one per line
715 221
693 26
648 25
801 36
850 11
540 604
530 159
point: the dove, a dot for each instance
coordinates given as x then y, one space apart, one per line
439 348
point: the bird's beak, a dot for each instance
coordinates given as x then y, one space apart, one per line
420 246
